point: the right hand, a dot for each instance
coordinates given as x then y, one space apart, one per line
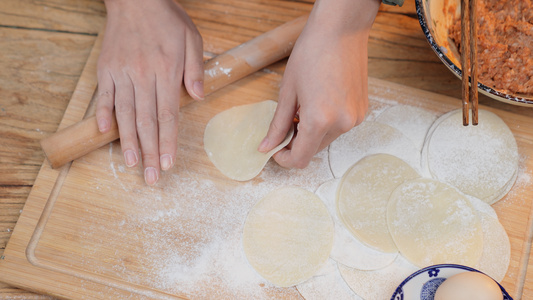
329 95
150 49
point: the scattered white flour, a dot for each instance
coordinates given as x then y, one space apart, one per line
112 164
226 71
481 160
190 229
196 240
377 284
523 182
412 121
214 72
495 257
327 284
367 138
184 236
482 207
375 108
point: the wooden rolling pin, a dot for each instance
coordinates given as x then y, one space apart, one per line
84 137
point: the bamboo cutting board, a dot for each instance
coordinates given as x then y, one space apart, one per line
93 229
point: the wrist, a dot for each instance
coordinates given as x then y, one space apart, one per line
345 16
112 4
122 7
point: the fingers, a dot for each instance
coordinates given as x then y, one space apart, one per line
194 66
315 132
125 113
282 121
147 127
146 115
168 93
106 101
305 145
144 65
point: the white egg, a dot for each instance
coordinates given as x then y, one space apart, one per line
469 286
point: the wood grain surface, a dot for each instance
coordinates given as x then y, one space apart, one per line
44 47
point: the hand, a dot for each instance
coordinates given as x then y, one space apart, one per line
150 49
325 82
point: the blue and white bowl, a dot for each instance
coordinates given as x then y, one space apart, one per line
423 284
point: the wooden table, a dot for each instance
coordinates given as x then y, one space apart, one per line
44 46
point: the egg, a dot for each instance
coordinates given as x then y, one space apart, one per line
469 286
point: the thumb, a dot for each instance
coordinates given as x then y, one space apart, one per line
282 121
194 66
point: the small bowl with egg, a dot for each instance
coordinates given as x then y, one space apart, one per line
505 45
449 281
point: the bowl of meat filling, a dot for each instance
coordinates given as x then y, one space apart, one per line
505 44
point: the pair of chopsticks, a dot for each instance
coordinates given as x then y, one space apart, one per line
469 60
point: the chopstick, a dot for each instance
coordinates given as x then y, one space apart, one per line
469 60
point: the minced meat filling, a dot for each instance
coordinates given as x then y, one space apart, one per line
505 44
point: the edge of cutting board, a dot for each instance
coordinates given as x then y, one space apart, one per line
21 268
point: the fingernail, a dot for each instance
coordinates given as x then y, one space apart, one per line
166 162
103 125
150 176
198 89
263 146
130 157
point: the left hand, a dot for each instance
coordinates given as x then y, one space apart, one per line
150 49
325 82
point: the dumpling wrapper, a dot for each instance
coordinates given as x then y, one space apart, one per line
231 139
368 138
481 161
363 195
347 249
288 236
496 255
433 223
402 118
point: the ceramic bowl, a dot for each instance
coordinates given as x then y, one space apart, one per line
435 21
423 284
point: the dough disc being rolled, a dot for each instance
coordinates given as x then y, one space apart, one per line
231 139
288 236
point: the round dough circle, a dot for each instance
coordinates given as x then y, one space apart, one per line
401 118
347 249
363 195
231 139
496 255
288 236
481 160
433 223
368 138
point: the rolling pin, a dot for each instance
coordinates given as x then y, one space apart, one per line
84 137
